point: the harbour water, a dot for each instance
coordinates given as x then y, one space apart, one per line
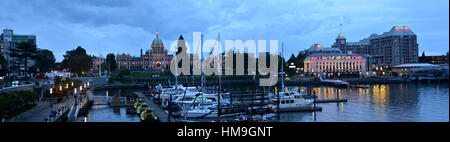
376 103
380 103
105 113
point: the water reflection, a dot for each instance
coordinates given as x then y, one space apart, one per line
382 102
104 113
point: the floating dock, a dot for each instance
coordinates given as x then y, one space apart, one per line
331 100
160 113
302 109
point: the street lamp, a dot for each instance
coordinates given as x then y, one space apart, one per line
71 84
60 88
74 90
51 91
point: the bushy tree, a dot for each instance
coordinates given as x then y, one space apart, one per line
45 60
77 60
3 66
111 61
24 51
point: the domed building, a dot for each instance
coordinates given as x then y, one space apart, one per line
156 58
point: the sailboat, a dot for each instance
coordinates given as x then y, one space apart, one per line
289 99
204 109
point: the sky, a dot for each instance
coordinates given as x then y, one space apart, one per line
126 26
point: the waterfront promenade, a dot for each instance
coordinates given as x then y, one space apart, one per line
42 111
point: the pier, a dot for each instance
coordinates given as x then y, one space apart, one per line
331 100
160 113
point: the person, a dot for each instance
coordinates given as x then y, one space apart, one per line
4 118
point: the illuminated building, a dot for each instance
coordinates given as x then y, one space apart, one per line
324 61
155 59
130 62
398 46
421 70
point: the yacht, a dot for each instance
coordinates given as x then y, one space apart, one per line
294 102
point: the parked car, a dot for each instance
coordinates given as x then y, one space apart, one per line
15 83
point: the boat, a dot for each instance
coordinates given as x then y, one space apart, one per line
336 83
292 103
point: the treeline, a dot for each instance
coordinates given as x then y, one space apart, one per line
12 103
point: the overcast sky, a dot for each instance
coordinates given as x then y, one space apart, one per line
121 26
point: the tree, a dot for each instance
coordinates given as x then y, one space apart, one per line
124 72
78 64
72 53
45 60
3 66
23 52
111 61
77 60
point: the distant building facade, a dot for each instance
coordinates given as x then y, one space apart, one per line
8 41
333 62
155 59
419 70
398 46
96 62
443 59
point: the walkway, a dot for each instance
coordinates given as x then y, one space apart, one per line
41 111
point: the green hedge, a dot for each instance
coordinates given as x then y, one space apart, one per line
12 103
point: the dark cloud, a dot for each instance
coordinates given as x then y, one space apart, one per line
126 26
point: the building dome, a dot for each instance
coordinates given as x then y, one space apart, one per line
157 40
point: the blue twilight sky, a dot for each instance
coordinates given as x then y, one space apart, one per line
122 26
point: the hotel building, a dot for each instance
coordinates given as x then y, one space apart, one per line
398 46
333 62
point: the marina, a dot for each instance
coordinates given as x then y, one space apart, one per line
382 102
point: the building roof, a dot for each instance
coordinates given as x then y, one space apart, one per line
340 36
157 40
414 65
395 31
318 47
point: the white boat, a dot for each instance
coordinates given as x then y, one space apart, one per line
293 102
200 111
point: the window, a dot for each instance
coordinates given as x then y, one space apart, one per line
131 99
283 102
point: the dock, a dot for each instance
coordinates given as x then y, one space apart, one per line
331 100
160 113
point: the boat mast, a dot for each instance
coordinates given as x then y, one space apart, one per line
201 66
282 66
219 63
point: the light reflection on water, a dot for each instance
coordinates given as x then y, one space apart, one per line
104 113
377 103
384 103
